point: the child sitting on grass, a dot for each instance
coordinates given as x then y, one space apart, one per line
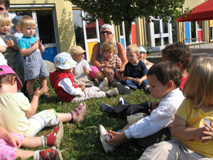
10 144
142 57
62 82
111 61
82 68
135 70
17 115
164 79
193 123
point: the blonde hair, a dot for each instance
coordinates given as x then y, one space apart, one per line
26 20
5 19
199 84
108 46
133 48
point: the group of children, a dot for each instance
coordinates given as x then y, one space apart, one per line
185 109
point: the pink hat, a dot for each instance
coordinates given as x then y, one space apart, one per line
4 69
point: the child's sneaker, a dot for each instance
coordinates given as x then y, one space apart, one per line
106 108
50 154
104 137
113 92
123 89
45 95
54 138
113 83
122 101
96 82
78 113
104 84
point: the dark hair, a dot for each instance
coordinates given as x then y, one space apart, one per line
166 71
6 3
178 52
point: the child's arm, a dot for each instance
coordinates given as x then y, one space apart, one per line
10 43
181 131
119 138
41 47
4 134
34 102
139 81
149 63
131 79
3 49
86 71
26 52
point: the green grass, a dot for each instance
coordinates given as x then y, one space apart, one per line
80 140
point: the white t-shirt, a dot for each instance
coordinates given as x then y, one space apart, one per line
79 69
3 61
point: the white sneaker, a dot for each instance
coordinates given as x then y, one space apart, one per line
104 84
113 92
104 137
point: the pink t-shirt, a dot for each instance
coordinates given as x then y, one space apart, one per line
183 81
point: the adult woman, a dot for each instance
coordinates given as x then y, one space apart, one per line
98 71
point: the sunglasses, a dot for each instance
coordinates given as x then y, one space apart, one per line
2 9
107 32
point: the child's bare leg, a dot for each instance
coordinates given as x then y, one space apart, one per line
99 75
64 117
43 81
118 75
24 154
31 142
29 86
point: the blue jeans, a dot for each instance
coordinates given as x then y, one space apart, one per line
134 85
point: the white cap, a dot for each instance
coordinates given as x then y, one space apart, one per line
142 49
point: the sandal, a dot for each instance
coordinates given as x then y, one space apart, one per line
78 113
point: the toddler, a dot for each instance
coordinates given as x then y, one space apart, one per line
193 123
180 54
11 52
111 61
10 142
142 57
135 70
31 49
164 79
82 68
62 82
17 114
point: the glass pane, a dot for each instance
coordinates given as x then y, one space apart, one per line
166 40
211 33
29 13
157 41
121 30
148 35
157 27
199 24
45 26
78 25
193 30
174 32
165 27
90 28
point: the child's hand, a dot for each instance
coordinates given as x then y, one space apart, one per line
35 45
207 133
13 140
10 43
119 138
82 87
118 64
107 64
86 71
74 71
38 92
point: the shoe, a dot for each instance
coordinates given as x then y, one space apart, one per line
106 108
104 137
50 154
78 113
45 95
96 82
113 92
122 101
123 89
54 138
113 83
104 84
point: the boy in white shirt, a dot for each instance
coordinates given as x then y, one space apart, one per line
164 79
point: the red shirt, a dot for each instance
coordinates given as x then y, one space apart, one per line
183 81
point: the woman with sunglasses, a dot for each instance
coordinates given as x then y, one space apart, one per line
99 71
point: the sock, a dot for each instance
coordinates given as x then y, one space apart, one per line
71 117
37 155
43 141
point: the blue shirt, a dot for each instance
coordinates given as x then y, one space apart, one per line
137 71
23 43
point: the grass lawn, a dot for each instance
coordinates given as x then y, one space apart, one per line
80 140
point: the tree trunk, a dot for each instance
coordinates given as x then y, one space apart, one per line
128 27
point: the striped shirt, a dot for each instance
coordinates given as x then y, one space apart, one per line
114 63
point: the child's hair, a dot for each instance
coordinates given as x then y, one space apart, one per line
133 48
5 18
199 84
26 20
178 52
166 71
6 3
6 78
108 46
